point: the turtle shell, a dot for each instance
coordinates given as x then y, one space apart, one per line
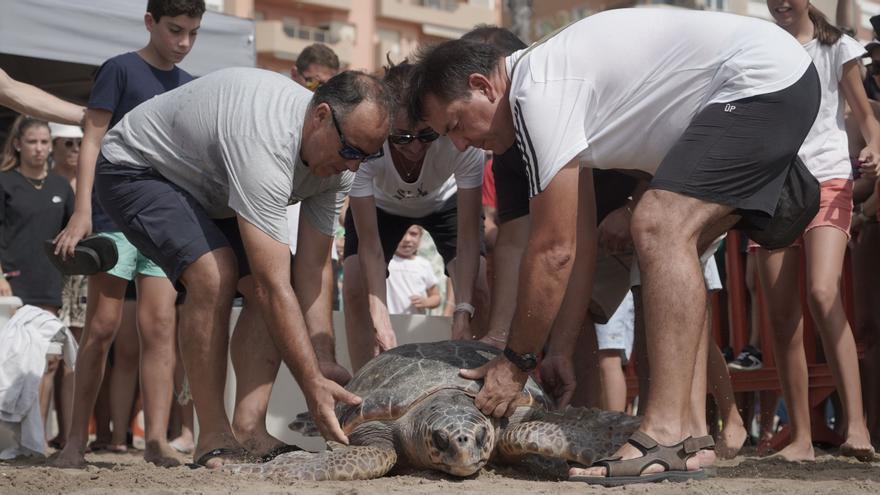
395 380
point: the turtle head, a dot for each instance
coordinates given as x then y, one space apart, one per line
451 435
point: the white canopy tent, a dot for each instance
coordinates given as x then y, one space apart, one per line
57 44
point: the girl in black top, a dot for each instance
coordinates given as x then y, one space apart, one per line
34 206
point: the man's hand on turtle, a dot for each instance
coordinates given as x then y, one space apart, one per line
558 378
502 384
321 397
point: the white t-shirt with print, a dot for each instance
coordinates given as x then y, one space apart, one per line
408 277
618 88
825 152
444 171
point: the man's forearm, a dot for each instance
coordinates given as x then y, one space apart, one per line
314 290
288 329
543 279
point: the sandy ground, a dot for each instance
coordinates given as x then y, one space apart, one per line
128 473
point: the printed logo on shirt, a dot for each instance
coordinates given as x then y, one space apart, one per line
402 194
56 199
729 108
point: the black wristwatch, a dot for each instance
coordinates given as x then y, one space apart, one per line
526 362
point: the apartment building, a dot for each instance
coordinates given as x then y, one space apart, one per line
361 32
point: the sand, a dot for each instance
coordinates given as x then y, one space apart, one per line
128 473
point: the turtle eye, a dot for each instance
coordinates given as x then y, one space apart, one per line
481 435
441 439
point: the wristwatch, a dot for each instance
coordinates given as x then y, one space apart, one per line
526 362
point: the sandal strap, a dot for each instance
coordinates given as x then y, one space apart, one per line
671 458
692 445
642 441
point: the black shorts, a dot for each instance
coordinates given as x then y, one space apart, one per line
739 153
612 188
511 185
162 220
442 225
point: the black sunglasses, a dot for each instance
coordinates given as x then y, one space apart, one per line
348 151
426 136
71 142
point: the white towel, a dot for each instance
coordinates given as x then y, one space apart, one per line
26 338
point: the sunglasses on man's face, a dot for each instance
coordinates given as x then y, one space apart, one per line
70 143
312 83
426 136
348 151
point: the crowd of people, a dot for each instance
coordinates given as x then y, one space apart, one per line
577 190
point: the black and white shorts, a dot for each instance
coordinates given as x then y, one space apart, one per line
739 153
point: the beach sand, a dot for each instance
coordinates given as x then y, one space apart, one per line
128 473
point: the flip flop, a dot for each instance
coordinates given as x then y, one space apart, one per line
673 458
91 255
281 449
202 461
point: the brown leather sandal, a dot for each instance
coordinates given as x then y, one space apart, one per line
673 458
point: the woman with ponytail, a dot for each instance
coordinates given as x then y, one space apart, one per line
825 153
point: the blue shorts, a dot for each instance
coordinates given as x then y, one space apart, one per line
162 220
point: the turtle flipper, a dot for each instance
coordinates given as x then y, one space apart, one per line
574 434
305 425
345 463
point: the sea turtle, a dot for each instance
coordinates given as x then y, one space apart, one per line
418 412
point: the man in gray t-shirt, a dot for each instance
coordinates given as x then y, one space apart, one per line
198 179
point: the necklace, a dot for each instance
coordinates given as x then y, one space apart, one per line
407 173
37 183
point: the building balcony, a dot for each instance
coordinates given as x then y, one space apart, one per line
442 18
286 42
333 4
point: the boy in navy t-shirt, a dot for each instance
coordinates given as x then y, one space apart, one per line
122 83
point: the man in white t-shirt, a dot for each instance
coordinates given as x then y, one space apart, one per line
713 106
411 286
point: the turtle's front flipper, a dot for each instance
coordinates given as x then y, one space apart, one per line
575 434
343 463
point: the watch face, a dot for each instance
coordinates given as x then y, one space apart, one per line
525 362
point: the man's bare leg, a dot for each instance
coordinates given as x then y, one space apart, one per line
157 319
204 330
698 426
256 361
103 315
669 229
733 432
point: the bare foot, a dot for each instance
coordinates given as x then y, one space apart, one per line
730 440
116 448
208 443
161 454
858 445
628 451
183 444
68 458
796 453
